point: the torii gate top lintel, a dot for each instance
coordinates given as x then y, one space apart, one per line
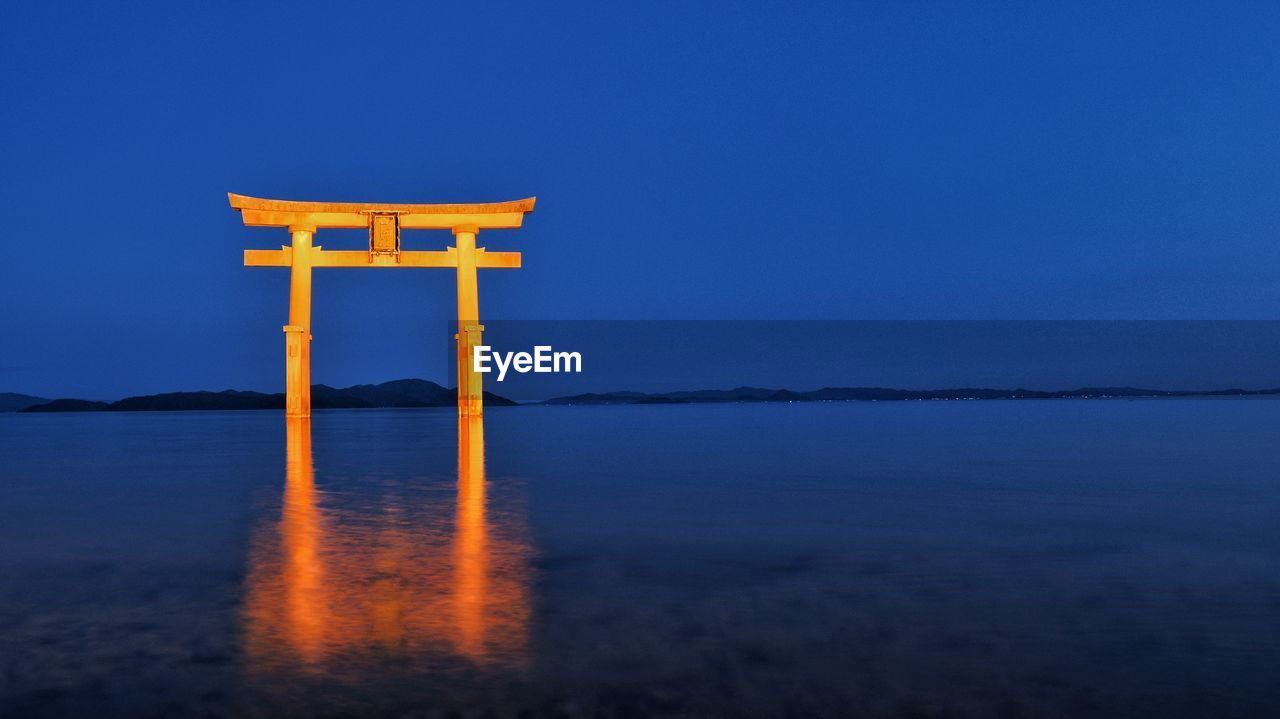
353 215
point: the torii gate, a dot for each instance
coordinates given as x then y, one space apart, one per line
384 221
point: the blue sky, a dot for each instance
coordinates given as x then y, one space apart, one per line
752 161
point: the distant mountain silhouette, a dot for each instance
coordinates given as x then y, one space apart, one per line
177 401
12 401
398 393
66 405
874 394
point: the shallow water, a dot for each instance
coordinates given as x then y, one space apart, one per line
1029 558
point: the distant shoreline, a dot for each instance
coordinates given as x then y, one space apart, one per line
881 394
416 393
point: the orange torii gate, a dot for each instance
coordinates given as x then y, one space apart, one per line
384 222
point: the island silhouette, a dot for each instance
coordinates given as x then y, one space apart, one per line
397 393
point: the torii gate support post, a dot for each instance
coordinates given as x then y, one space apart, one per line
297 333
470 388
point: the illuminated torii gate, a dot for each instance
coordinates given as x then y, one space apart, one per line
384 222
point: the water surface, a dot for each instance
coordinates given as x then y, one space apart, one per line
1029 558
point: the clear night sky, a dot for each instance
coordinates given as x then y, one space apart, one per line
788 160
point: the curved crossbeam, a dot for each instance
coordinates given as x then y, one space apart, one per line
258 212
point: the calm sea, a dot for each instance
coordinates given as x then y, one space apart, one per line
953 559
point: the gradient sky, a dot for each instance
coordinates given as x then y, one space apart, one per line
745 161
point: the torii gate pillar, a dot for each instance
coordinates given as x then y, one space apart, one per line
470 389
297 334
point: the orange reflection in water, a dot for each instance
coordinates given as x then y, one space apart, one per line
471 544
337 581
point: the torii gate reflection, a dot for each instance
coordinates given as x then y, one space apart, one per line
384 222
336 585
